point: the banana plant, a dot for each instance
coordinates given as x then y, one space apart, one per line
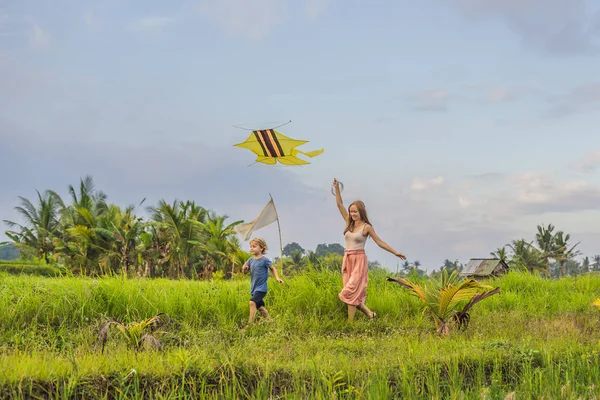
136 334
446 301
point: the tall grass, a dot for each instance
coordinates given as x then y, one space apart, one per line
24 267
538 338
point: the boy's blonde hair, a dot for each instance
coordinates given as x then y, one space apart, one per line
261 243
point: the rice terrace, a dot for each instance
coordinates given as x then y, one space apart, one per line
300 199
100 303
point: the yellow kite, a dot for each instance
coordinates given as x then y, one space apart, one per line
271 146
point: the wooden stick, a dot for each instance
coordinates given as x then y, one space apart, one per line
280 242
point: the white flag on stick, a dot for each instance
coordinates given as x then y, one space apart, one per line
267 216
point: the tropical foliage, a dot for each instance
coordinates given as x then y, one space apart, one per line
550 254
90 236
136 334
444 300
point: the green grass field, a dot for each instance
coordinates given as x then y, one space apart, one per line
19 267
538 338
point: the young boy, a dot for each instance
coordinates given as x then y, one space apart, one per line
259 266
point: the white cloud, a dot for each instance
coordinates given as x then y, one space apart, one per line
429 100
588 163
252 19
151 24
315 8
419 185
500 95
431 95
582 98
508 94
88 17
439 95
38 38
531 193
464 202
480 213
553 26
255 19
533 187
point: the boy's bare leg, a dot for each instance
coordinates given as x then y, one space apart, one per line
264 313
252 312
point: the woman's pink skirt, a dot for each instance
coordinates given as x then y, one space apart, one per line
355 275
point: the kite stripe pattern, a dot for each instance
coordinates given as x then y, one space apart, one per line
269 143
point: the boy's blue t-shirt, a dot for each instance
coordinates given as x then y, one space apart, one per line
259 273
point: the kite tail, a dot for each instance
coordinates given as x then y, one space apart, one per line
310 154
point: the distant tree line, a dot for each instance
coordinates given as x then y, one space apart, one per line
9 252
91 236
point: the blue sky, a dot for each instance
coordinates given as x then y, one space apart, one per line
462 124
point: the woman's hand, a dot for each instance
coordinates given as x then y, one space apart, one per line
336 184
398 254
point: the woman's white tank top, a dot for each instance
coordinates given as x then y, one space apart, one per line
355 240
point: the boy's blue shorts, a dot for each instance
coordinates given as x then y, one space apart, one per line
257 298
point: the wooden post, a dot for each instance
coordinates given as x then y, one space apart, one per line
280 242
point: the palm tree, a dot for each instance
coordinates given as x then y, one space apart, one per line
84 238
585 265
562 253
137 333
153 249
220 239
596 264
238 257
451 266
545 239
527 257
443 301
500 253
89 198
123 230
85 205
40 227
178 223
406 267
554 246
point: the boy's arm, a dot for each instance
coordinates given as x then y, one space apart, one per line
275 274
246 266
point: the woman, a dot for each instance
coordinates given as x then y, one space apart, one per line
355 269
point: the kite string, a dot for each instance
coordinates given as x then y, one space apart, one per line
246 129
279 126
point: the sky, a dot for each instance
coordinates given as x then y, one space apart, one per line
462 124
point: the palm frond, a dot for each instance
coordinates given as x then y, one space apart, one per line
443 299
416 289
462 317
